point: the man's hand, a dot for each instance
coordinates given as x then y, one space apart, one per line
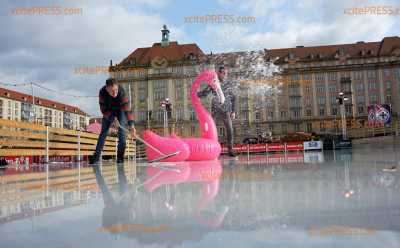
233 115
133 132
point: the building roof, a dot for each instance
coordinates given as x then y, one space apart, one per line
387 47
172 53
22 97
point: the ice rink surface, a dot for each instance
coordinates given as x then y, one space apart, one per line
347 198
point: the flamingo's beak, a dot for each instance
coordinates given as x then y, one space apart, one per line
218 89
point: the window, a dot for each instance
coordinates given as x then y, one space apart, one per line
387 72
307 101
308 112
67 121
349 110
371 74
322 126
82 123
284 128
332 88
332 76
388 99
295 102
48 117
271 114
297 127
258 116
333 99
283 114
306 76
221 131
361 99
179 114
319 76
295 77
360 87
294 89
245 115
388 85
179 92
334 111
309 127
244 103
177 70
192 115
358 75
159 115
160 90
193 130
270 127
373 99
296 114
142 92
307 89
372 85
360 109
321 112
321 100
26 112
142 116
320 88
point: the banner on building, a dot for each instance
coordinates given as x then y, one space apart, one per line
379 114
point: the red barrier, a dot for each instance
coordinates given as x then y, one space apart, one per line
271 147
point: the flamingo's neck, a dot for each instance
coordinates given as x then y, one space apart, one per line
208 129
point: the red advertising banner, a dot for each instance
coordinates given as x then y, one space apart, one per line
272 147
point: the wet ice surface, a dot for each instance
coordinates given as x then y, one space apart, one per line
342 199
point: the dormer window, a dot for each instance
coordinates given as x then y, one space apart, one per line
311 56
7 94
291 55
342 51
320 55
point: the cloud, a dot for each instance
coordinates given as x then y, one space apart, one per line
283 24
47 49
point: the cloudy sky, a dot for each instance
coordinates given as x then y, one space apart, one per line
46 49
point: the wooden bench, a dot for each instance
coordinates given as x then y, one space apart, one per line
28 139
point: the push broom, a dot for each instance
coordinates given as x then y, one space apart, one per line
163 155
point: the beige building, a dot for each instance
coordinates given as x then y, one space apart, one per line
310 81
18 106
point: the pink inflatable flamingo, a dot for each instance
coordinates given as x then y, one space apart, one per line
205 148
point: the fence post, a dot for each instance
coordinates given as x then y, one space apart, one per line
79 145
116 148
47 161
47 144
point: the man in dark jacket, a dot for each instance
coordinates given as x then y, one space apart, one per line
225 111
114 103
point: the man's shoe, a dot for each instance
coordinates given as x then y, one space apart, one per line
93 159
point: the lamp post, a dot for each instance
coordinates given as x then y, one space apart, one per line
167 106
340 100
